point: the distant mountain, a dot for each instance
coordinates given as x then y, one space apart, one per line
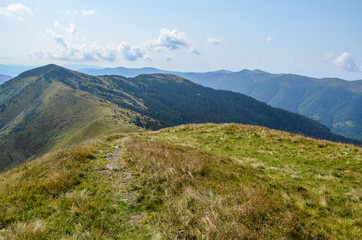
13 70
173 100
51 107
4 78
122 71
333 102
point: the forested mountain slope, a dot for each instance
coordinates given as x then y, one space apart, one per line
333 102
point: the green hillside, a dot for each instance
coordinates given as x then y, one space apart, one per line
38 115
205 181
169 100
333 102
50 107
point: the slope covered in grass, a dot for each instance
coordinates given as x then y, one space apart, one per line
46 117
190 182
50 107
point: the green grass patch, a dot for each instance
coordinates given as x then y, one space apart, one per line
320 178
67 195
189 182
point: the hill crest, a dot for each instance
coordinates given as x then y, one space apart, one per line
193 181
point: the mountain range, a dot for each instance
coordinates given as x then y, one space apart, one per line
50 107
336 103
14 70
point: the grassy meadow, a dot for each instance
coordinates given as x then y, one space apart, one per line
207 181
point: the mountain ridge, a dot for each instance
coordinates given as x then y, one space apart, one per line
50 107
38 115
331 101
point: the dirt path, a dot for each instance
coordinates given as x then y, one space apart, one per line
117 172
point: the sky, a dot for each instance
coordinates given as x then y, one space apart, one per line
317 38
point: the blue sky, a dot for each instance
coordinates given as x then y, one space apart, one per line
313 38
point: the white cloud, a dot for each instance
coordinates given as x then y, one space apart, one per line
89 12
72 29
57 38
147 58
171 39
168 59
131 53
88 52
58 25
212 40
15 11
347 62
83 12
269 39
72 46
194 51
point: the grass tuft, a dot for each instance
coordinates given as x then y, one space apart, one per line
35 230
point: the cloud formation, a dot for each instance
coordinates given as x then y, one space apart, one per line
72 29
131 53
269 39
167 39
89 12
15 11
212 40
57 38
72 46
171 39
84 13
347 62
194 51
87 52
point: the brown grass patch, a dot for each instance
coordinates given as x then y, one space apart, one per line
196 195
